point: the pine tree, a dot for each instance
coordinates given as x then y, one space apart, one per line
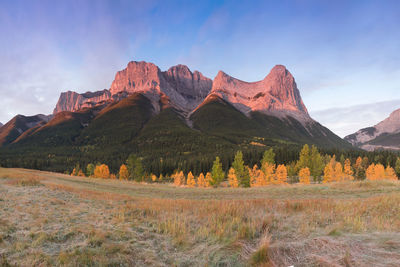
135 168
304 158
240 170
217 173
232 179
397 167
190 180
304 176
90 170
123 172
316 163
281 174
269 156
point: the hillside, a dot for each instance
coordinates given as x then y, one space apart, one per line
384 135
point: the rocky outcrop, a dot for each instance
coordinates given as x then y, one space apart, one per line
18 125
378 136
72 101
1 124
277 93
184 89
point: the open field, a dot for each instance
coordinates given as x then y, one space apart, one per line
49 219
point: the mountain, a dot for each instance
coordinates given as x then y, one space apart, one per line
172 119
18 125
1 124
384 135
72 101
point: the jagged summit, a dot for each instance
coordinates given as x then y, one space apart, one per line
277 92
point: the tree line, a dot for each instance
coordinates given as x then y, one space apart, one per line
311 167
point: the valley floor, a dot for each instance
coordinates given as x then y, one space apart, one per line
54 219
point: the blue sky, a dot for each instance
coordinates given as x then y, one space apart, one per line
344 55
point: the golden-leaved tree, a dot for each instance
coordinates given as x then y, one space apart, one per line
304 176
281 174
347 170
269 174
123 172
232 178
328 173
208 179
179 178
191 182
102 171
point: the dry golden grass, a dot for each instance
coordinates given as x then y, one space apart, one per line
74 221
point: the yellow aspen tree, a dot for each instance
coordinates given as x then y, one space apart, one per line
269 174
190 180
379 172
123 172
161 177
80 173
338 172
253 175
328 173
201 180
208 179
281 174
370 172
73 173
390 173
304 176
102 171
232 178
153 178
179 178
348 172
113 176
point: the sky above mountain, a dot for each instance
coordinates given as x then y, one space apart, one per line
343 54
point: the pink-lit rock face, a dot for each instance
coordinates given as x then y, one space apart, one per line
184 89
72 101
277 92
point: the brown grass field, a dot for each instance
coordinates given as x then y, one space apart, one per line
49 219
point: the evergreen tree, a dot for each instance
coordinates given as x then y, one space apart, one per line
269 156
397 167
135 168
217 173
316 163
241 171
90 170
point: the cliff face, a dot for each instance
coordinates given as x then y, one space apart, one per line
277 92
72 101
184 89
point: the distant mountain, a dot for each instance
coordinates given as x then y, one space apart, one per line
174 116
18 125
1 124
384 135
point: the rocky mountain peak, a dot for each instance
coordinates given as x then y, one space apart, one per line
277 92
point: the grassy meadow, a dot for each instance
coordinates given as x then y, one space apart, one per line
50 219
